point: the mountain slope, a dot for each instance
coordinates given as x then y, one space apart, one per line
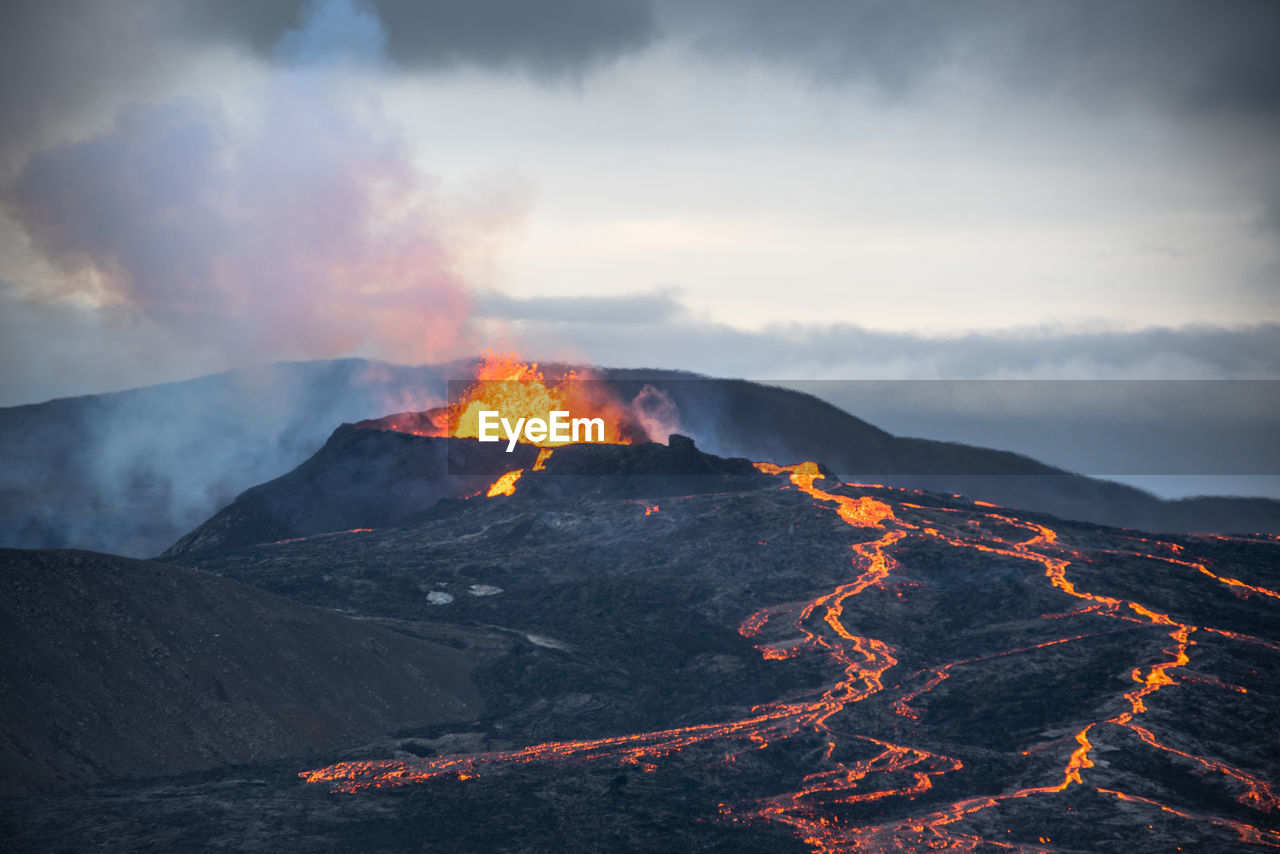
123 668
369 475
757 421
361 478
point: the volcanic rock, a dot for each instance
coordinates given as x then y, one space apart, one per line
123 668
363 477
783 663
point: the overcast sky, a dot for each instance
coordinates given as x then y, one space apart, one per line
803 190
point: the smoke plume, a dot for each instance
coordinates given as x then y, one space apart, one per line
297 226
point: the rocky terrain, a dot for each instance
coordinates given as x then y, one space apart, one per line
361 478
682 652
122 668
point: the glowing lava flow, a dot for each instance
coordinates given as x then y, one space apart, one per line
505 485
818 809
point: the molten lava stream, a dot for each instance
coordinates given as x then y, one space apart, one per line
813 810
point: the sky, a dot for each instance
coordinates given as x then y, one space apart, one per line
813 190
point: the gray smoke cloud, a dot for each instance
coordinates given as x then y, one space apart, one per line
130 472
61 62
554 38
298 228
191 233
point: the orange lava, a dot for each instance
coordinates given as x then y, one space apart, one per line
862 512
517 389
817 808
505 485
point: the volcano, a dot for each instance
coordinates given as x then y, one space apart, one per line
132 472
674 650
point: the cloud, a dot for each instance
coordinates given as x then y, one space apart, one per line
62 63
61 349
653 307
300 229
334 33
674 338
1189 53
59 61
555 37
300 225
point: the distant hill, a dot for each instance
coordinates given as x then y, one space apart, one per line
741 418
132 472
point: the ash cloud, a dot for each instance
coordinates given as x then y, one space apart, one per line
191 235
300 230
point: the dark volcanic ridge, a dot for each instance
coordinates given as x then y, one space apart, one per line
367 477
361 478
739 418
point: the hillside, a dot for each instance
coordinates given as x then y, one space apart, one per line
123 668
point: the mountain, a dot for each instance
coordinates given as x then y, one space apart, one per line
367 476
132 472
361 478
371 474
758 421
122 668
701 654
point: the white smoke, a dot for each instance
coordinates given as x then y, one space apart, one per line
300 227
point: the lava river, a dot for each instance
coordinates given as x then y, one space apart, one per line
856 769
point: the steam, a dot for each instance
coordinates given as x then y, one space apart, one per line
291 224
297 228
657 413
131 472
